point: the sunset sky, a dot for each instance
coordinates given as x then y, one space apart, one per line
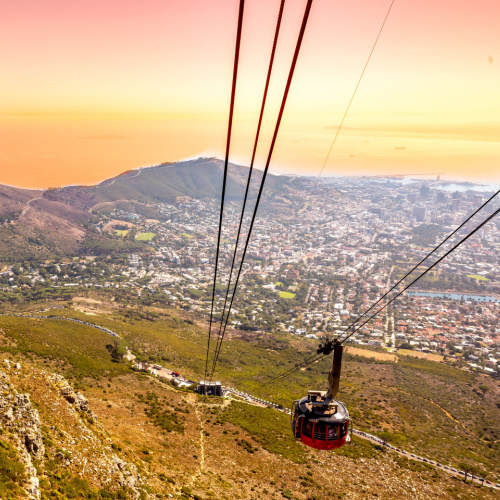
91 88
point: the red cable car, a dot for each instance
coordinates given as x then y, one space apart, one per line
318 420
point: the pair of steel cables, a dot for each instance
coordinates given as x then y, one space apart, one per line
225 315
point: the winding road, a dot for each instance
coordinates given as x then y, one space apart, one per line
86 323
28 204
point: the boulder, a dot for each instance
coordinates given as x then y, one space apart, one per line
34 444
81 402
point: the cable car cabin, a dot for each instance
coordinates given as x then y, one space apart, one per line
320 422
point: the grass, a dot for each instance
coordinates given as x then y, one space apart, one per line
166 418
354 351
436 369
477 277
287 295
12 472
77 350
422 355
145 236
359 448
244 445
270 429
188 236
122 232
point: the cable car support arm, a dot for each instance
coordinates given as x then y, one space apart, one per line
334 375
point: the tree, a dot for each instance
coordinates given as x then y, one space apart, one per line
405 345
483 388
118 349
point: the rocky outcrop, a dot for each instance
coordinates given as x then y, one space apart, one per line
75 398
34 444
18 414
124 473
128 474
86 452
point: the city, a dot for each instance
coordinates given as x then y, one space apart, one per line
314 264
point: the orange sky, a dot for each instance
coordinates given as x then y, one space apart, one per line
92 88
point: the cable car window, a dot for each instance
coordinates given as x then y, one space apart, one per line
320 431
344 430
333 433
307 429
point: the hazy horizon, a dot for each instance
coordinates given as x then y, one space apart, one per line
405 177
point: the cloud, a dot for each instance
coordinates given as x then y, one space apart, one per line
478 131
401 148
107 137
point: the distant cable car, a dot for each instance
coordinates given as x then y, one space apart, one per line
318 420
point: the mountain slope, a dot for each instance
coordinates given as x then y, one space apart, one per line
14 200
201 178
115 444
39 224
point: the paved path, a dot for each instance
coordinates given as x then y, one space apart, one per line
86 323
413 456
28 204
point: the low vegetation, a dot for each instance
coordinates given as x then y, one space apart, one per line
157 409
268 428
12 473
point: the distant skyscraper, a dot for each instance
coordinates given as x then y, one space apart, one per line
424 192
419 213
442 197
477 200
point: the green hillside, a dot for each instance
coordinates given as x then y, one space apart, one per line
164 183
201 178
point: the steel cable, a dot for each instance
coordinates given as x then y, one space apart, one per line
226 161
264 98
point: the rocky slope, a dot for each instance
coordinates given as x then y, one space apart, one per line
64 444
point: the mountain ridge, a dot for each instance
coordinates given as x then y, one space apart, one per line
43 223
